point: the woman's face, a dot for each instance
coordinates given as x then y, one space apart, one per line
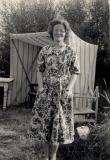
59 33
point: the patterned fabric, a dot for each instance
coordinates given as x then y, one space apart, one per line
53 118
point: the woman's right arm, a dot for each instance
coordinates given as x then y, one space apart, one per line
40 81
40 68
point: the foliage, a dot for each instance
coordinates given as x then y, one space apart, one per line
100 17
106 96
27 17
76 14
4 56
88 20
104 100
21 18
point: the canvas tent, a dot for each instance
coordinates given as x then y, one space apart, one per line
23 58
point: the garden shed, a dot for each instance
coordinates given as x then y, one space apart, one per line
23 59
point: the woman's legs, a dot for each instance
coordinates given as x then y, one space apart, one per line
42 151
46 150
53 151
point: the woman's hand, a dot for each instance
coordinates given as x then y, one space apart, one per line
40 89
69 91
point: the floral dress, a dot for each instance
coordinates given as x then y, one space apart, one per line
53 112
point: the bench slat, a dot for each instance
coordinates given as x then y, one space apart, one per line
84 111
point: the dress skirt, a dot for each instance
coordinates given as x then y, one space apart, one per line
53 116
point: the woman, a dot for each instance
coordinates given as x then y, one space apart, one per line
53 120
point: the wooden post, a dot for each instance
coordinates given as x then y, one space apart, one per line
97 99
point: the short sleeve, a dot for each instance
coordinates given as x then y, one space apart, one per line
74 67
41 60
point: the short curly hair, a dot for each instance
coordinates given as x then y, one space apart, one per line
64 23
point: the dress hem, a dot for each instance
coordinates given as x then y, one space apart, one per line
51 142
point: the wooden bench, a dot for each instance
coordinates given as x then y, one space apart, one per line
90 111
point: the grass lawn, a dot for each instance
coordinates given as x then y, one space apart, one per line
13 127
15 145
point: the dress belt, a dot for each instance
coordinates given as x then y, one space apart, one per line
52 78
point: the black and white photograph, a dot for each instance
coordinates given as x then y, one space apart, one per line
54 80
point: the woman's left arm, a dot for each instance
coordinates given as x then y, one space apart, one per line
71 84
74 69
72 81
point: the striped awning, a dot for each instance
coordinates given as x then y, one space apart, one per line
42 38
38 39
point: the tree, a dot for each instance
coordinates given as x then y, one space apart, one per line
100 26
90 21
21 18
75 13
